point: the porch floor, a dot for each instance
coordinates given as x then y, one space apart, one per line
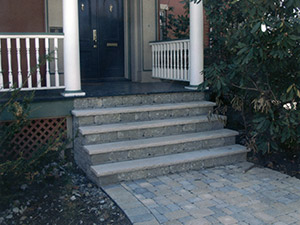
131 88
117 88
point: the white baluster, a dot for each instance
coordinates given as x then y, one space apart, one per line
20 80
188 60
157 60
162 61
48 81
153 59
10 75
1 73
174 60
29 77
185 61
37 54
171 59
178 60
56 62
168 61
165 60
160 58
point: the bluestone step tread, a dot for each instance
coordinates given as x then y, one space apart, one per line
167 160
157 141
98 129
142 108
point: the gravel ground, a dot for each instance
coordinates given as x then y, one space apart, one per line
67 197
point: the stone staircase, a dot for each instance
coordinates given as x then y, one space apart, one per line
137 136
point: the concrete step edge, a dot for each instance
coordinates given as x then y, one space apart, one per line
106 128
138 99
157 141
167 160
141 108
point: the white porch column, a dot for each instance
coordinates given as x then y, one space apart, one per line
196 44
71 49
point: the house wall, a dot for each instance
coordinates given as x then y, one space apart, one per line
27 16
17 16
140 29
175 4
143 26
55 14
55 24
179 10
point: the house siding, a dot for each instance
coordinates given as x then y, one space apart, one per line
17 16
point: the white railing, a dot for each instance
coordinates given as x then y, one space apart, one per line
170 59
30 61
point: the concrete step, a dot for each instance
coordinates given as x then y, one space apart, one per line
161 165
152 147
140 99
141 113
147 129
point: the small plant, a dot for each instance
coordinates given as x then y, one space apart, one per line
15 168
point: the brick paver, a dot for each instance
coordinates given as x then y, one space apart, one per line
221 195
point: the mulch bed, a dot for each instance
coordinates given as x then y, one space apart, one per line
280 161
69 198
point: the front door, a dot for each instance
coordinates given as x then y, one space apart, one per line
101 26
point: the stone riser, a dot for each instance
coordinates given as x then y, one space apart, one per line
150 132
141 116
87 160
154 172
139 136
131 100
159 151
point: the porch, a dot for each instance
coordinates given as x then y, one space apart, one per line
109 89
125 130
121 130
45 61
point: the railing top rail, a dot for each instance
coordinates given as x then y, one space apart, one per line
31 35
169 41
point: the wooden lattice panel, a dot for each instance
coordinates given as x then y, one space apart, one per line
37 133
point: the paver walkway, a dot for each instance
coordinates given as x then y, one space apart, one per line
222 195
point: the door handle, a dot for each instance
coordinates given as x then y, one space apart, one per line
95 39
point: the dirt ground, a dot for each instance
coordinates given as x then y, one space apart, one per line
69 198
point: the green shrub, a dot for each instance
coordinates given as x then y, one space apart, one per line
15 169
253 65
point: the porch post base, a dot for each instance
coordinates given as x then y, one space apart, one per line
192 87
73 94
